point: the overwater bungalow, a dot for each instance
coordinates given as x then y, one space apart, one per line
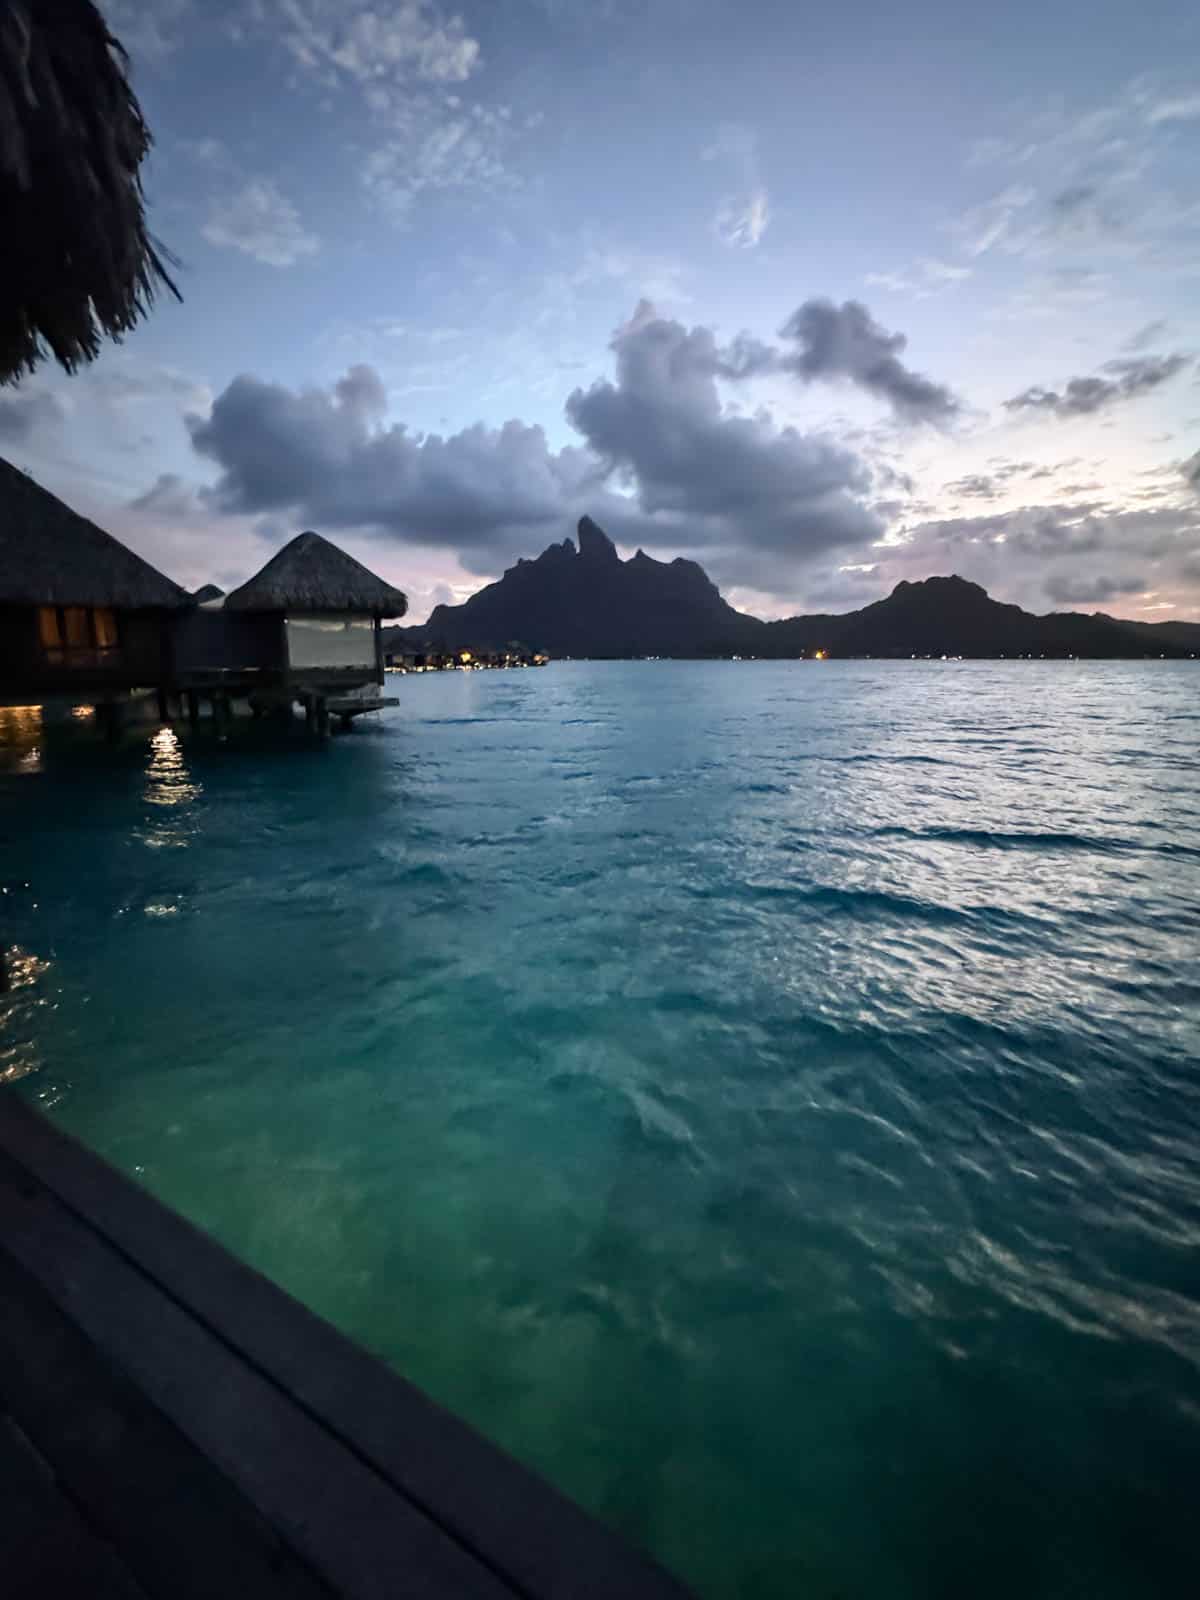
83 618
306 627
81 615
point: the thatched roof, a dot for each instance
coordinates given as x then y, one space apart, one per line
49 555
77 262
310 574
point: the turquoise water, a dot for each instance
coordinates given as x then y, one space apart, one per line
762 1096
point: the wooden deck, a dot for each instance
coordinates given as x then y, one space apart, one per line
172 1424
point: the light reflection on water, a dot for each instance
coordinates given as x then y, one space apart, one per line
168 782
20 739
21 971
169 785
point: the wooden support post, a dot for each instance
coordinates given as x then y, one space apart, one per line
110 716
322 717
193 707
222 713
164 705
310 712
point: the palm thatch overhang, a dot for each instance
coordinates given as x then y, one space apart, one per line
51 556
311 575
77 263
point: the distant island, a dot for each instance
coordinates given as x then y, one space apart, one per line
586 601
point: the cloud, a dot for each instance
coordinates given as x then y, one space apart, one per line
258 220
846 342
320 453
406 62
977 486
361 393
743 216
1109 175
925 277
1084 396
744 220
1092 588
377 42
122 380
1053 554
1191 471
648 276
168 496
24 413
1181 108
663 463
207 152
982 227
1147 335
436 147
701 471
148 29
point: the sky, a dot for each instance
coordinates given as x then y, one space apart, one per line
823 297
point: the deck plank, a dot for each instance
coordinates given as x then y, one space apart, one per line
154 1500
520 1530
344 1522
47 1552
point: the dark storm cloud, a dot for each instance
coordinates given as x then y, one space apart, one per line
1083 208
977 486
990 485
361 392
22 414
1068 202
316 453
1146 336
1091 588
829 343
662 464
662 426
1083 396
846 342
168 496
1042 556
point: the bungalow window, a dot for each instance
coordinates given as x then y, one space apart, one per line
80 636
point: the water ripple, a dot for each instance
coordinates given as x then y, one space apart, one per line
763 1098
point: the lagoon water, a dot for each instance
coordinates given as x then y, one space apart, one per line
765 1097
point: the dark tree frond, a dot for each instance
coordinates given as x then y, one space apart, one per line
77 263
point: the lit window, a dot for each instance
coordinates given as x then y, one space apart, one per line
48 629
78 636
75 626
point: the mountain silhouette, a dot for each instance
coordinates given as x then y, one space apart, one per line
586 601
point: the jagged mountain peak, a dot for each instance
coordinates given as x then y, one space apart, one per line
594 543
